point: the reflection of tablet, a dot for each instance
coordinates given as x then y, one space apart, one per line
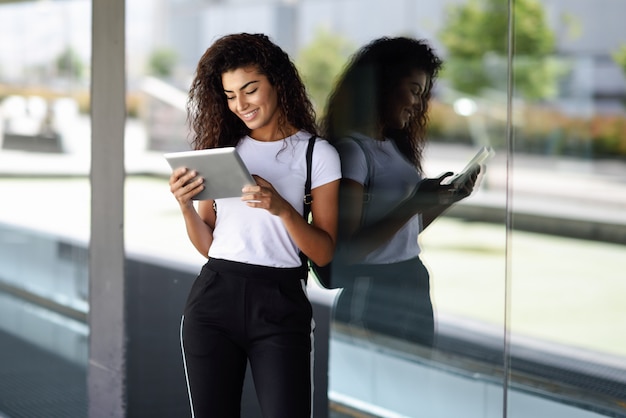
223 171
482 156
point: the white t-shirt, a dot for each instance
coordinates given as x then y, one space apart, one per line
393 179
253 235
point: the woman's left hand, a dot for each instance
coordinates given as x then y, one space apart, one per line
264 196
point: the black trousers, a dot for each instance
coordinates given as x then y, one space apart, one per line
237 313
391 299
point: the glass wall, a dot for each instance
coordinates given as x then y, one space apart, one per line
524 272
567 214
522 280
44 216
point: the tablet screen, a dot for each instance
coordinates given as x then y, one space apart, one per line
223 171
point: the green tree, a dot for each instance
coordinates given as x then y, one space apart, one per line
320 62
475 34
162 62
69 64
620 58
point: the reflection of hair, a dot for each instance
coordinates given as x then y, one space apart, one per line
212 123
360 95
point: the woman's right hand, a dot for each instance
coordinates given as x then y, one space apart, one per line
184 187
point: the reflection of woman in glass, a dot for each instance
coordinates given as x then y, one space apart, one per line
376 117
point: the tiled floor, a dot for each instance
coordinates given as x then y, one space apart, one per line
35 383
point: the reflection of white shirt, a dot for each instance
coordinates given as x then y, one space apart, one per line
253 235
393 178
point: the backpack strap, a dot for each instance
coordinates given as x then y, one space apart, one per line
308 198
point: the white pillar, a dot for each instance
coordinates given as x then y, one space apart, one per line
107 369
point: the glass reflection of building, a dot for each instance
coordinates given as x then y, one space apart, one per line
525 275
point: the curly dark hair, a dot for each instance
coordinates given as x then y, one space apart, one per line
212 123
360 95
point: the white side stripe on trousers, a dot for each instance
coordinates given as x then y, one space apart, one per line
182 349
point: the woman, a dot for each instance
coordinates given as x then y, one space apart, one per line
249 301
376 117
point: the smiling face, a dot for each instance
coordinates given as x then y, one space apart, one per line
253 99
406 99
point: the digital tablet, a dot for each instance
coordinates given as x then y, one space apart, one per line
481 157
223 171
